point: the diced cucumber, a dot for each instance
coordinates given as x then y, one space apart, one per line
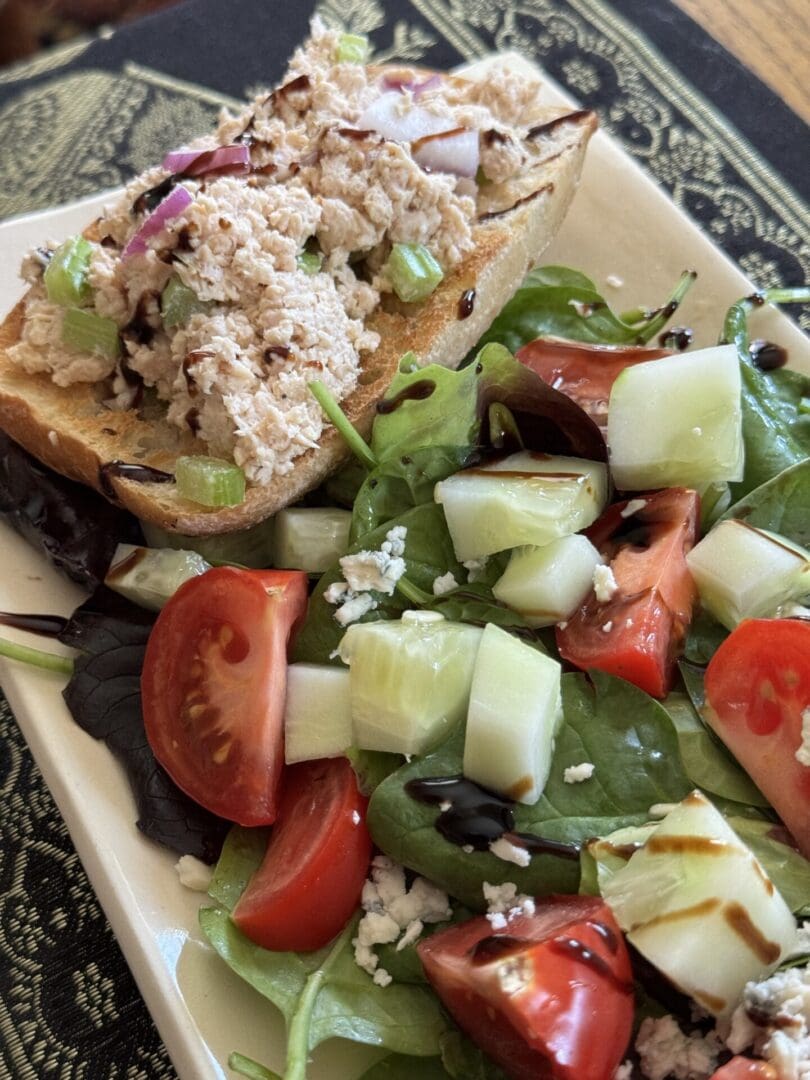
525 498
317 712
251 547
546 584
677 420
311 539
746 573
698 905
151 576
515 712
410 680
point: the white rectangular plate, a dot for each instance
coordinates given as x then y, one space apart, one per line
620 225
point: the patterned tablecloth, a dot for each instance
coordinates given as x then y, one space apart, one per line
85 117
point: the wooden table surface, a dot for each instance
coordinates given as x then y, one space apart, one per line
771 37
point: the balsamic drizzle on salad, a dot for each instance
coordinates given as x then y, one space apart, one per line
677 337
473 816
417 391
768 356
128 470
466 304
46 625
551 125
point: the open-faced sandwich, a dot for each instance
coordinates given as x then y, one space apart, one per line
350 216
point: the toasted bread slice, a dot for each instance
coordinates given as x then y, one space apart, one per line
72 431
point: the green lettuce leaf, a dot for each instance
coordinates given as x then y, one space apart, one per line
626 734
556 302
398 1067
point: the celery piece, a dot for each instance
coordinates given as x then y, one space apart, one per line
408 362
413 272
66 274
310 262
353 49
178 303
209 481
88 332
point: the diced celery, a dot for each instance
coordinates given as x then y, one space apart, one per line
353 49
410 680
88 332
525 498
698 905
209 481
178 303
413 272
151 576
546 584
251 547
310 262
514 714
66 274
317 712
746 573
677 421
408 362
311 539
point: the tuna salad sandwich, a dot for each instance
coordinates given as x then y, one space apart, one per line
350 216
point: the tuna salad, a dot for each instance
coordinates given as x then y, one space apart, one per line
248 263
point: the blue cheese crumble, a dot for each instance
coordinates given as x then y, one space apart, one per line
365 573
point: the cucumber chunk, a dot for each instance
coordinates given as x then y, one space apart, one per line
526 498
546 584
698 905
514 714
410 680
677 421
746 573
317 712
151 576
251 547
311 539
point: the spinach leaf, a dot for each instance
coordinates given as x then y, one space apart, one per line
704 638
371 767
455 412
324 995
781 504
556 302
402 481
464 1061
428 554
70 524
626 734
321 994
104 697
397 1067
786 867
706 761
475 604
776 436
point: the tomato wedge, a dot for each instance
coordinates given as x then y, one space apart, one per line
550 997
757 693
638 633
213 686
584 372
312 875
740 1068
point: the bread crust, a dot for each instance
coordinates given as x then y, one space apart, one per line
70 429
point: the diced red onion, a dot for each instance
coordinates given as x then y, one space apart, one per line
384 116
454 151
200 162
174 203
392 81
